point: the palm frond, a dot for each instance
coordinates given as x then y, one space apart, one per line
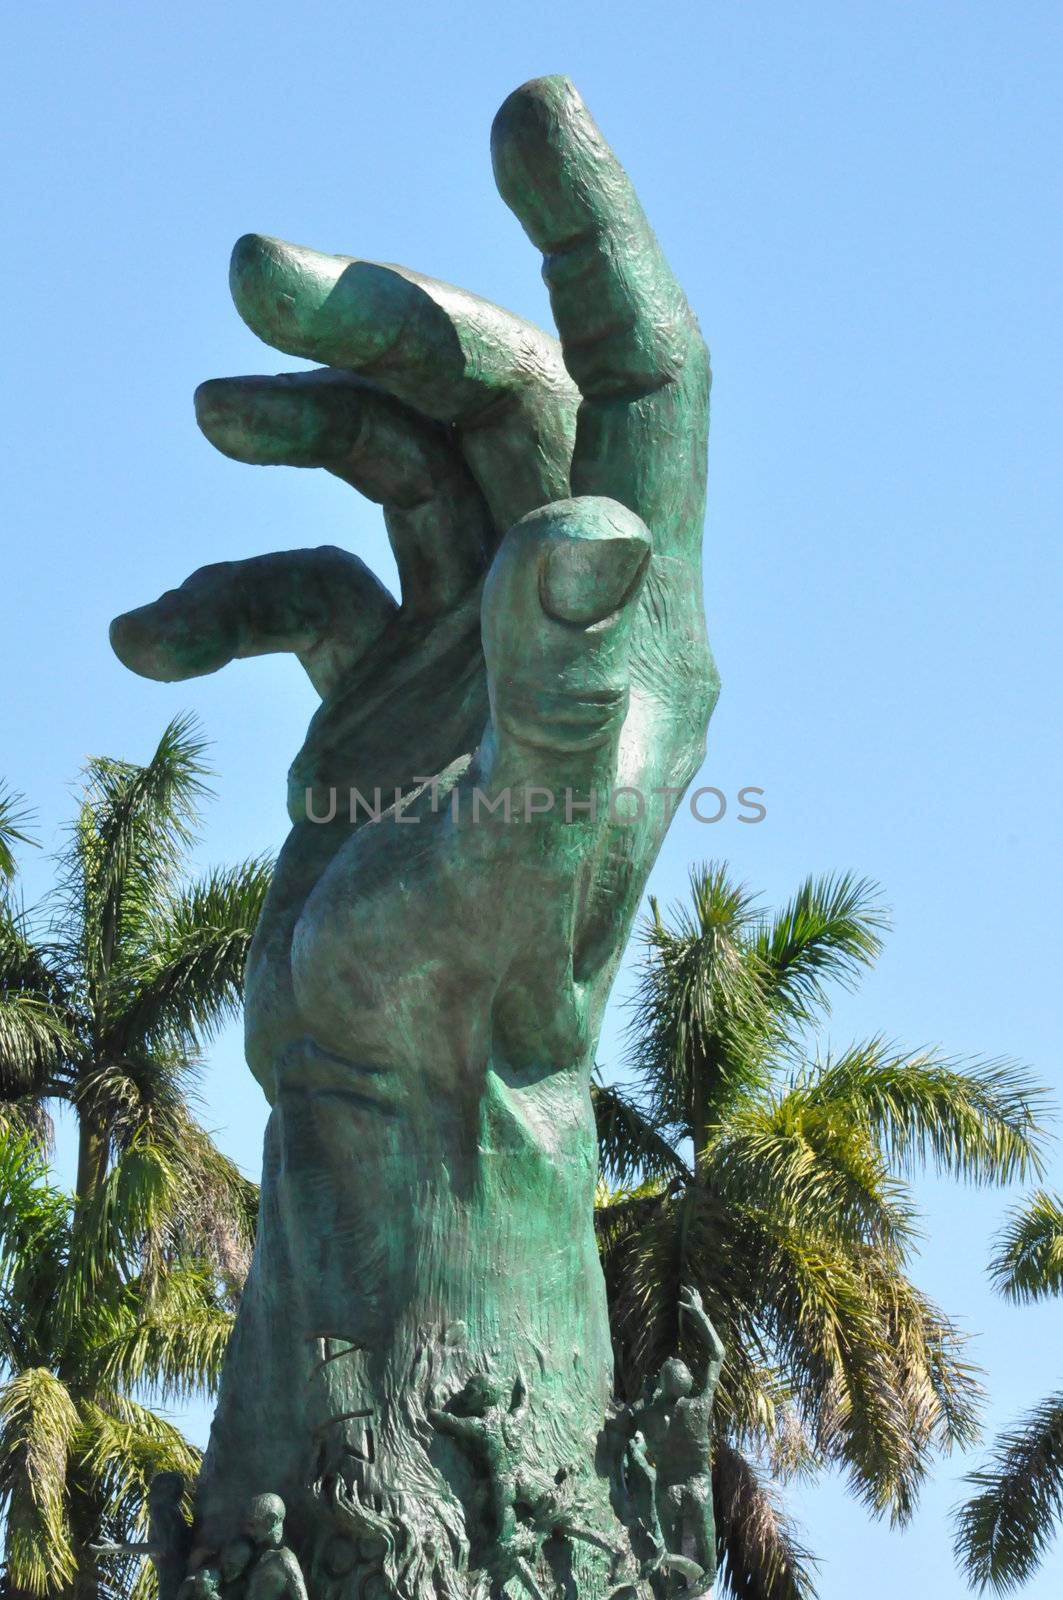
619 1216
829 932
15 816
190 976
760 1556
700 1025
653 1242
976 1120
122 1445
940 1390
142 1094
645 1250
169 1345
29 1202
1003 1531
791 1452
29 1118
215 1211
756 1411
789 1155
37 1027
629 1146
131 1284
34 1237
33 1044
1028 1261
796 1221
38 1427
116 1229
801 1325
28 962
134 825
623 1218
832 1336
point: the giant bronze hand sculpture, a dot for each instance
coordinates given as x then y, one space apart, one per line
428 981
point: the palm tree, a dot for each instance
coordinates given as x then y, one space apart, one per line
108 995
28 1030
85 1333
109 1009
773 1180
1003 1531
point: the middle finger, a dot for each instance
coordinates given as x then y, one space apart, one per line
451 355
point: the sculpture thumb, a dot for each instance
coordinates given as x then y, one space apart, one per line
557 611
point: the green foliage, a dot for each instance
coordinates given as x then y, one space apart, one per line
36 1035
123 1293
628 1143
111 1010
77 1448
760 1555
191 965
1028 1264
170 1343
773 1179
14 817
39 1424
1003 1531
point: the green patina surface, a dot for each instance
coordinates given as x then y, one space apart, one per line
426 990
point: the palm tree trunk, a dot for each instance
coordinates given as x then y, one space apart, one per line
92 1158
699 1115
84 1527
85 1584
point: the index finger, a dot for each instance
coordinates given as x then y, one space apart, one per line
625 325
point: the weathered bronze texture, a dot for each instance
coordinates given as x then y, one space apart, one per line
421 1367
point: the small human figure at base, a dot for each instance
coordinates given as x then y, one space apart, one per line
640 1482
169 1540
203 1584
676 1421
554 1508
275 1573
493 1437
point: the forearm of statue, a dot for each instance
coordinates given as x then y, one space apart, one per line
692 1308
140 1549
714 1365
458 1427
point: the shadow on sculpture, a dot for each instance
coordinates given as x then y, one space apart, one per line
421 1366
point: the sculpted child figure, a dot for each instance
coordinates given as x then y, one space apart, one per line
425 991
169 1540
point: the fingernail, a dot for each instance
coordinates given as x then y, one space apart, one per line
585 580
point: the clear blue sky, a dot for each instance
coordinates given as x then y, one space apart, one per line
862 200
